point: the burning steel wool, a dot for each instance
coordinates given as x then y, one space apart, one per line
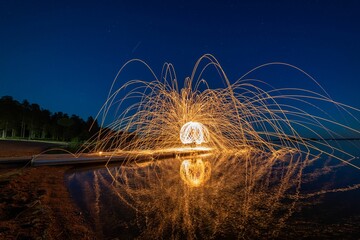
149 115
237 153
194 132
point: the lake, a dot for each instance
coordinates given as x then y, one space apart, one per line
250 195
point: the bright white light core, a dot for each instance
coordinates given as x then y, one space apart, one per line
194 132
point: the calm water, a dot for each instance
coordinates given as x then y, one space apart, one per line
222 196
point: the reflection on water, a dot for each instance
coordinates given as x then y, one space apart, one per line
195 172
245 196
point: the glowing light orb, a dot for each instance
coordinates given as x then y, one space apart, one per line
194 132
195 172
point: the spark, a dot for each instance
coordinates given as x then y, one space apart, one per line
250 134
147 115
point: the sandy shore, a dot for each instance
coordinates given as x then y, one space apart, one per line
34 201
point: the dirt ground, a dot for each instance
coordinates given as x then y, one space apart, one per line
34 201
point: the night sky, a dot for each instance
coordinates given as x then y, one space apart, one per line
64 55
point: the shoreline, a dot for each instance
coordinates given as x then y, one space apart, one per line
35 202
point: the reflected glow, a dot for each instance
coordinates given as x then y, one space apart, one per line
195 172
194 132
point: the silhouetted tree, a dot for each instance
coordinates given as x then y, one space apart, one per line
45 122
9 116
35 122
92 127
25 118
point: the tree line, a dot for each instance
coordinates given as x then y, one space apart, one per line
30 121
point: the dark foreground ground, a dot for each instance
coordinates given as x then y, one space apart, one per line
20 148
34 201
36 204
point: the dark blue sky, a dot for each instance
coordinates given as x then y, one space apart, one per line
64 55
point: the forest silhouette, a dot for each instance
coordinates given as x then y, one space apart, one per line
29 121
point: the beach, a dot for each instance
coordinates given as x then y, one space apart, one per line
34 201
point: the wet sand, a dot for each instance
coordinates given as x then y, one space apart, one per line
34 201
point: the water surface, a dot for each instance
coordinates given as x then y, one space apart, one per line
217 196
